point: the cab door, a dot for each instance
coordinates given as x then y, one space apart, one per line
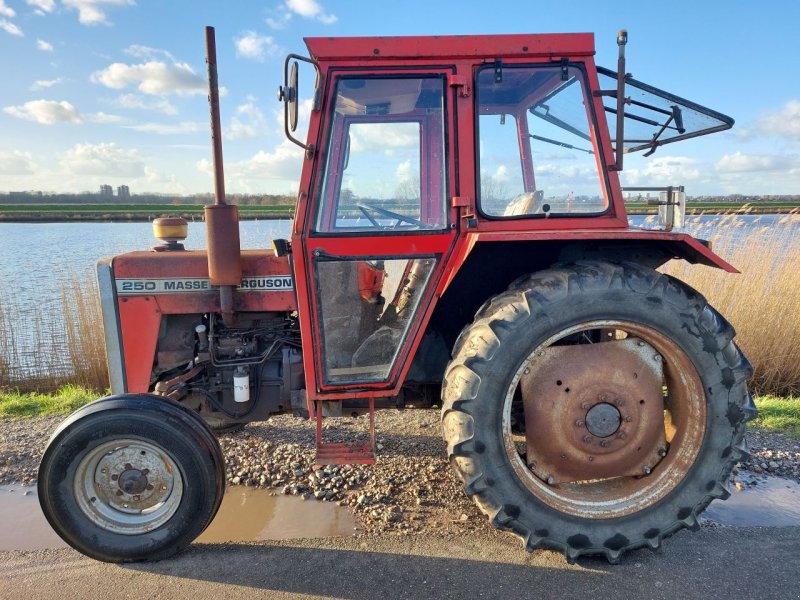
378 230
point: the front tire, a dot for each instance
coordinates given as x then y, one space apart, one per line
131 478
706 405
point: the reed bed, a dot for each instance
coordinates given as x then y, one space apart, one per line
44 348
763 303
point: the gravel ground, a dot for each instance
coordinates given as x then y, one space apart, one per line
410 490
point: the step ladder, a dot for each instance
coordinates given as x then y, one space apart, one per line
345 453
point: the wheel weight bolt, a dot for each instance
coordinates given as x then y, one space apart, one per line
550 480
604 443
137 498
647 470
579 423
620 402
622 435
602 397
119 492
114 477
585 405
150 487
662 451
587 438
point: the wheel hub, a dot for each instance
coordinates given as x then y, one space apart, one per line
594 411
603 420
133 481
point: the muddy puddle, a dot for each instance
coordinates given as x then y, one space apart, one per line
762 502
245 515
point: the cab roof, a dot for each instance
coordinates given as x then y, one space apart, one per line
450 46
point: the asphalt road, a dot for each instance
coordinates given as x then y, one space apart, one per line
761 563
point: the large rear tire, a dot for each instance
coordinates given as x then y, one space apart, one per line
131 478
706 406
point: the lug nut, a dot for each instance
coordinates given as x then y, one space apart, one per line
137 498
150 487
532 466
119 492
114 477
662 451
604 443
641 344
602 397
527 371
620 401
628 419
647 470
579 423
550 480
104 470
657 358
585 405
622 435
587 438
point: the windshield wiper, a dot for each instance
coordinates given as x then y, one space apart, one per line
557 143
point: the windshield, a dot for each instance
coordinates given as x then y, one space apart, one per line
536 152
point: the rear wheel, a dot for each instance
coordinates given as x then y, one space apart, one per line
130 478
596 408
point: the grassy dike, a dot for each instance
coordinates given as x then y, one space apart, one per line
128 212
776 414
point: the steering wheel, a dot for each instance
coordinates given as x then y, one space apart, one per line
365 208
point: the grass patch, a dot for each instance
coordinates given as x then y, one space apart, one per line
65 400
779 414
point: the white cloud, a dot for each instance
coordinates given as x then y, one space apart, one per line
42 6
384 137
103 159
784 122
280 18
17 163
748 163
135 101
311 9
41 84
92 12
6 11
282 164
140 51
46 112
101 117
403 170
252 45
168 128
153 77
10 28
44 46
663 169
248 122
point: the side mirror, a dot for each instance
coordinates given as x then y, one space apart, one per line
289 95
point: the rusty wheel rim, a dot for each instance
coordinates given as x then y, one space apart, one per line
684 429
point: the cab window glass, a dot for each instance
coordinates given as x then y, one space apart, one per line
385 159
535 144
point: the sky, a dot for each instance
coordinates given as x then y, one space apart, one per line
114 91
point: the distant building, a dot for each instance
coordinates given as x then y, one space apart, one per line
123 192
106 191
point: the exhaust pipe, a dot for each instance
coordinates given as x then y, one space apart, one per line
222 219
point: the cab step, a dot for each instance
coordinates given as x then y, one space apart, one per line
345 453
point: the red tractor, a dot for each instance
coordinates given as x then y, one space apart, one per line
460 234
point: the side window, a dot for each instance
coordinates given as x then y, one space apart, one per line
385 158
535 144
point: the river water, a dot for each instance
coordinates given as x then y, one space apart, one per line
37 258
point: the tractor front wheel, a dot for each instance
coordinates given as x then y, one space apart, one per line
131 478
596 408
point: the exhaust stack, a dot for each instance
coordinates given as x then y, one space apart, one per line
222 219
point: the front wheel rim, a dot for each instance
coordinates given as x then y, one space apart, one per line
128 486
